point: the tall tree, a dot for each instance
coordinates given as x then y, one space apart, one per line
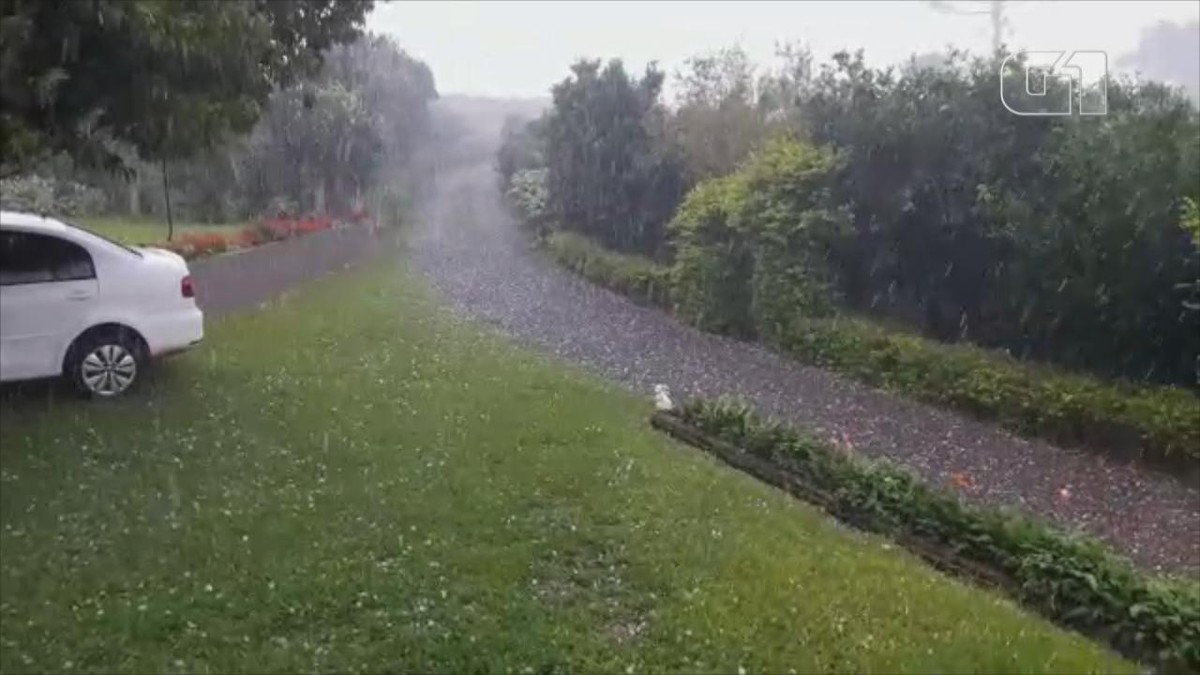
166 78
720 119
325 141
612 172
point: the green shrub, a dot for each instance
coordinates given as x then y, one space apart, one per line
794 232
528 196
631 275
753 249
1161 424
1191 304
710 278
50 196
1071 580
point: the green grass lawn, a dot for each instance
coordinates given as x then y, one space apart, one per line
355 480
142 231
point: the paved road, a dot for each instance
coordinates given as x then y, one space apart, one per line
246 279
471 251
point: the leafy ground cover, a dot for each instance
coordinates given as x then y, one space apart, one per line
1070 579
397 489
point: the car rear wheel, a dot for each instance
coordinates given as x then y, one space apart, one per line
107 364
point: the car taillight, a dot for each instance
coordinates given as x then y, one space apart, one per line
185 287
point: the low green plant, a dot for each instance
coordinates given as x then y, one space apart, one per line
631 275
1070 579
1161 424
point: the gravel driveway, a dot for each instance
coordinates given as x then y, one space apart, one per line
471 252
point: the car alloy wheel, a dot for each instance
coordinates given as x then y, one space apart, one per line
109 369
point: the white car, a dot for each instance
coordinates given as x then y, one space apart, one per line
75 304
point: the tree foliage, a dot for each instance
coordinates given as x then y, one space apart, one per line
609 175
165 78
755 250
1056 238
719 120
329 143
323 142
522 147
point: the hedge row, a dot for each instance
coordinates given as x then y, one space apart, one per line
635 276
1071 580
1158 424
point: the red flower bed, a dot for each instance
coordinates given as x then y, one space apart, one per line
197 245
250 237
283 228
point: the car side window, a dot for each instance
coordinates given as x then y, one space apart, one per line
28 258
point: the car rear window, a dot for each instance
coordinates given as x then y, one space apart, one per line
32 258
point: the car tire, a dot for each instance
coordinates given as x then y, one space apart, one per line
106 364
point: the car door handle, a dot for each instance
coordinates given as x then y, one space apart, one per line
79 295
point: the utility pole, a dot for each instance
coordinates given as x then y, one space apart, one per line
995 11
167 196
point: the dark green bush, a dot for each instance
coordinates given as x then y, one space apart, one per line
1071 580
753 249
631 275
1053 237
1161 424
710 277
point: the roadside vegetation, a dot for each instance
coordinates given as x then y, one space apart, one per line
1071 580
635 276
202 240
398 489
220 113
781 206
790 308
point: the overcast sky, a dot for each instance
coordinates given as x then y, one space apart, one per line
520 49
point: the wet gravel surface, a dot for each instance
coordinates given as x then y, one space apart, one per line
471 252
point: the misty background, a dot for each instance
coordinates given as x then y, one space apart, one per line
520 49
